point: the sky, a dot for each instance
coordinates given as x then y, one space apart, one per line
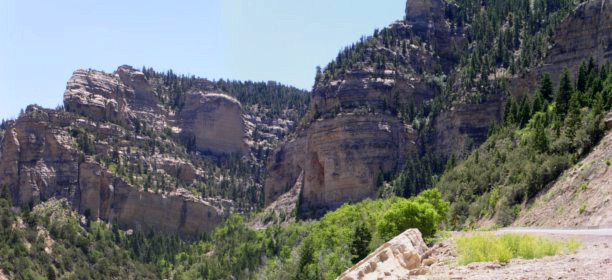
43 42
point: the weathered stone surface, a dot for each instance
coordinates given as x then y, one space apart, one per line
284 168
39 161
585 33
341 159
465 126
396 259
345 156
215 120
112 199
353 133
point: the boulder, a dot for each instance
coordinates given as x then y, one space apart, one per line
397 259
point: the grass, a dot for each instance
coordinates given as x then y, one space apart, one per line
582 208
504 247
584 186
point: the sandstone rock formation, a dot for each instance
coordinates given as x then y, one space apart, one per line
353 135
399 258
126 97
39 161
215 120
349 107
585 33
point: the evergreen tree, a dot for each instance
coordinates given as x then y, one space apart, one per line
581 82
573 117
540 140
361 240
524 112
546 87
564 94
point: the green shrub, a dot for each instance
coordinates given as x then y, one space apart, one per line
502 248
409 214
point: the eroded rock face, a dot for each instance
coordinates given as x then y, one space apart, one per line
39 161
346 155
585 33
399 258
354 134
127 98
215 120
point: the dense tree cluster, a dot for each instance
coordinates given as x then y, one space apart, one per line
539 139
278 98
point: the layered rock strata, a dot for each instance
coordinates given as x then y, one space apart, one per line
40 161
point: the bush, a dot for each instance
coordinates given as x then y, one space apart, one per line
502 248
409 214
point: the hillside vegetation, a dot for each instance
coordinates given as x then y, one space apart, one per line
539 139
54 242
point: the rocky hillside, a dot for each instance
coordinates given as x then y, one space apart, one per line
120 151
424 90
581 197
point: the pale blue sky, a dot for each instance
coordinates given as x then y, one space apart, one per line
43 42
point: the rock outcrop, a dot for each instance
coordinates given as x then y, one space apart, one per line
585 33
215 121
400 258
354 135
40 161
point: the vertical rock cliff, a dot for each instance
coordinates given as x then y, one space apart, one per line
354 134
137 151
361 126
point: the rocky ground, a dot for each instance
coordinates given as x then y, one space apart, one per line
592 261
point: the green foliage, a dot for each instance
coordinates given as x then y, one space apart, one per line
546 87
562 100
409 214
502 248
520 158
49 242
361 241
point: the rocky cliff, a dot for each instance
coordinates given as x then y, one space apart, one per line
362 125
40 160
214 120
585 33
355 133
128 149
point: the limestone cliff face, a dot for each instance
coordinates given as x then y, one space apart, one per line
342 149
215 120
127 98
585 33
347 154
39 161
354 135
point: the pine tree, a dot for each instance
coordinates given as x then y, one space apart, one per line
540 140
361 240
564 94
546 87
573 117
523 112
581 82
